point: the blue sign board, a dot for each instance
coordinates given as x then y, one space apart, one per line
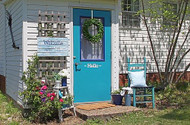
48 46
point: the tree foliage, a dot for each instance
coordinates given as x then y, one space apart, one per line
171 18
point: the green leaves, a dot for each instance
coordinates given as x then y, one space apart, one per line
42 106
56 76
100 28
116 92
175 94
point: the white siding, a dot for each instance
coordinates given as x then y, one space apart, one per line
33 8
14 57
134 43
2 40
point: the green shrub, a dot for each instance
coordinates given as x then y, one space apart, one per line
14 123
183 86
155 83
175 94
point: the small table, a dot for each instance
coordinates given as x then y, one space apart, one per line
65 91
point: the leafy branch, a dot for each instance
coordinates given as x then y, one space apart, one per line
175 55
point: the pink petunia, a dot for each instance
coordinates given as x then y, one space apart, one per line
44 88
53 94
61 100
52 98
42 82
41 93
49 94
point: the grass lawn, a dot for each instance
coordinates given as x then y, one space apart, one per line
168 116
9 115
151 117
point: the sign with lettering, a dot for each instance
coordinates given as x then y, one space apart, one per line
94 66
48 46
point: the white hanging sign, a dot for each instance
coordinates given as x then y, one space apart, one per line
48 46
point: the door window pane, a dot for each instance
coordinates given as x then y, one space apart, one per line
91 51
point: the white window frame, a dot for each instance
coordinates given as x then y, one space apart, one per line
129 18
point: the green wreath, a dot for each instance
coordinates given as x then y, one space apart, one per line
96 38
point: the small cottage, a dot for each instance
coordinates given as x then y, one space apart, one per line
93 67
58 31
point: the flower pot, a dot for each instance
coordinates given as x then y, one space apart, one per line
58 83
117 99
66 105
127 100
64 81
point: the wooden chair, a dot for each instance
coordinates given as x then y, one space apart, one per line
147 93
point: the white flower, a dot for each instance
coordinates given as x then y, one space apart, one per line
63 73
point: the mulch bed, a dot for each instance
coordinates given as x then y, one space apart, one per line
82 115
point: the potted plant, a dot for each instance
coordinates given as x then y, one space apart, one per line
64 73
57 79
68 101
116 97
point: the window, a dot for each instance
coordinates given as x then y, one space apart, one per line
129 13
169 14
91 51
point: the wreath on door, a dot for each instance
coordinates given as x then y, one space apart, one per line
93 38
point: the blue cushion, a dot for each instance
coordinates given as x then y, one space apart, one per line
137 79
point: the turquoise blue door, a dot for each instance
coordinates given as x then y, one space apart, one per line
92 61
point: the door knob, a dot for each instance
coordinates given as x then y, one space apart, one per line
76 67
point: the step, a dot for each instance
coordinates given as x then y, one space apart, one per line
106 113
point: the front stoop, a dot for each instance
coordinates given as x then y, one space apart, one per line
106 113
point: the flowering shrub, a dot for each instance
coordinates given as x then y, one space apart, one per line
37 96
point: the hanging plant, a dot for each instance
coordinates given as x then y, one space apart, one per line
93 38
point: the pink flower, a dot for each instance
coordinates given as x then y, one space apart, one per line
52 98
43 81
49 94
41 93
44 88
61 100
37 88
53 94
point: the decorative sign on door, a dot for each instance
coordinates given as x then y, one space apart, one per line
93 65
48 46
